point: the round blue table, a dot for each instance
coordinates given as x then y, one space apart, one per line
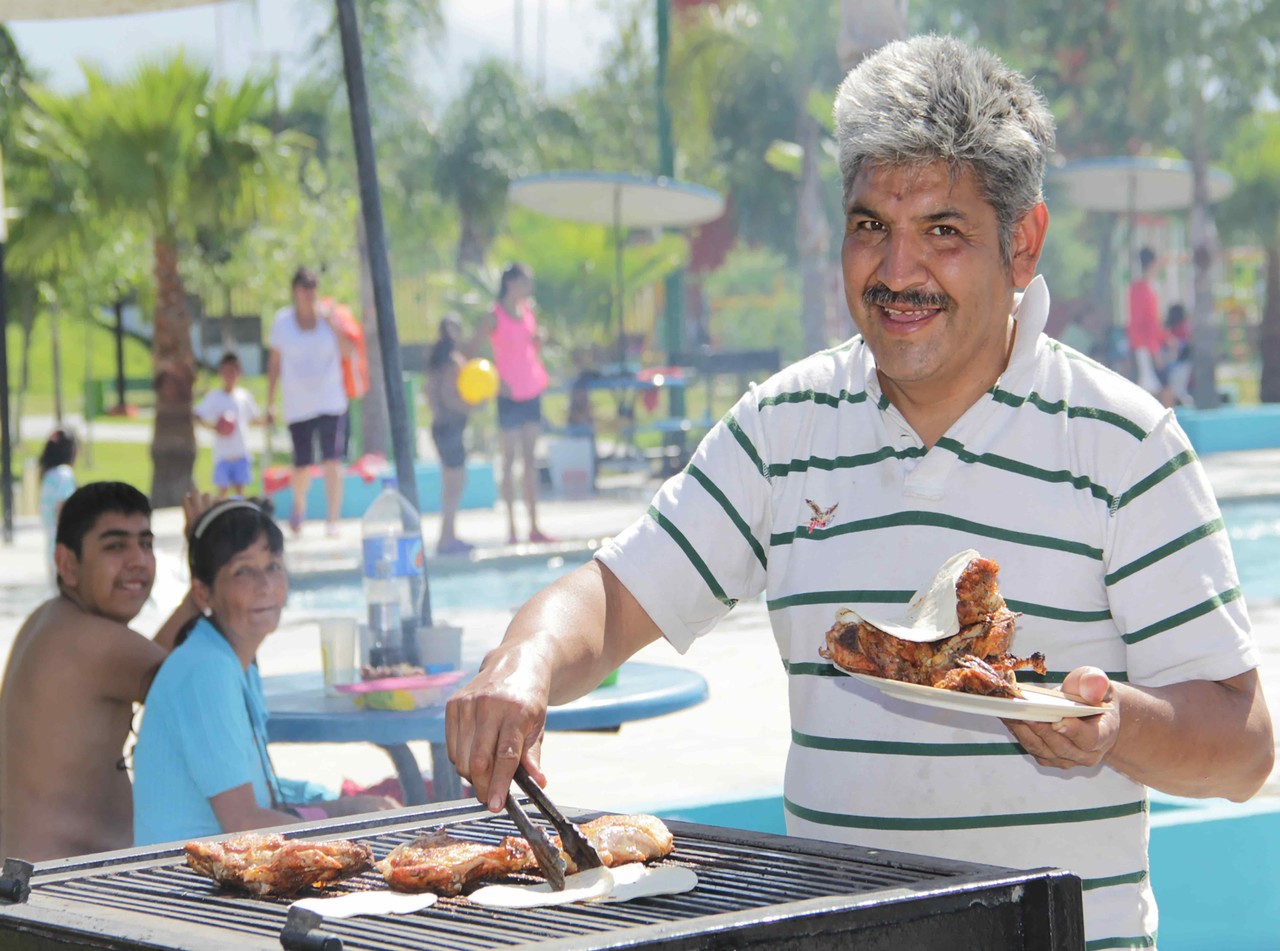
299 711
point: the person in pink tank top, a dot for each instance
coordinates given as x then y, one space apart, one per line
516 340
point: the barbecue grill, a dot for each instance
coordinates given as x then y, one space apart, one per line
754 890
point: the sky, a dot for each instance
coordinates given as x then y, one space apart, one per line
236 36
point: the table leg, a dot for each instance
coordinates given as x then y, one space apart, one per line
415 793
446 784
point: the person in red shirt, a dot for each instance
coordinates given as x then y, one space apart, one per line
1146 331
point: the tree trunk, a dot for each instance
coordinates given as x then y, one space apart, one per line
1205 333
375 419
55 340
813 237
228 321
173 445
1269 332
472 243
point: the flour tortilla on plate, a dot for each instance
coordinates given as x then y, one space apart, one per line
931 612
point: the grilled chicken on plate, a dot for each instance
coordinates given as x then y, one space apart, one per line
956 635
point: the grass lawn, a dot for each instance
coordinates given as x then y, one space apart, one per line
115 462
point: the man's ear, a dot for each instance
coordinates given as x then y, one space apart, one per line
67 565
1028 242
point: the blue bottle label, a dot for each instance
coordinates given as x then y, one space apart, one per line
408 561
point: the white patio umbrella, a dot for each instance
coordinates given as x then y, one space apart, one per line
1133 185
78 9
1129 184
622 202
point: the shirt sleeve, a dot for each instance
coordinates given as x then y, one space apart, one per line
1171 579
204 409
701 547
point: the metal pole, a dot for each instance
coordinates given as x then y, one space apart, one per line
673 296
402 437
119 335
6 444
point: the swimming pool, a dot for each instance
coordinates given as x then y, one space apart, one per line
1253 525
500 584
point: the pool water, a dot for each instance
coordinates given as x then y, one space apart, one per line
500 585
1253 525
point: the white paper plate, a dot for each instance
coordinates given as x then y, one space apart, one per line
1040 704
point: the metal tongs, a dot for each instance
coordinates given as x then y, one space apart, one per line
576 845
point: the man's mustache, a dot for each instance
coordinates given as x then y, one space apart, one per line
881 296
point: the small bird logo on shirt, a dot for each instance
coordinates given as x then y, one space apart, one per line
821 517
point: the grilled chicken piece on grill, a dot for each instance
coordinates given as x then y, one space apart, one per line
437 862
620 840
986 630
270 864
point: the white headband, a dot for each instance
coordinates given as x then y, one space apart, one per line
222 508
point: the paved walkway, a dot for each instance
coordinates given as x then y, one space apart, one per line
733 746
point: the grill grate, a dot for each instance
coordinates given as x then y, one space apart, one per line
737 872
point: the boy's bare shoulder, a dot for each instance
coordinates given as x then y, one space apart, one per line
65 648
61 627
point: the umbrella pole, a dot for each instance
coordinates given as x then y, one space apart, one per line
402 436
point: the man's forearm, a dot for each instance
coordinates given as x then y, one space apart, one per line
577 631
1197 739
185 611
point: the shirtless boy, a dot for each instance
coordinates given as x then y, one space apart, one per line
74 673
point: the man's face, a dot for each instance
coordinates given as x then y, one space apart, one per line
924 279
304 300
116 568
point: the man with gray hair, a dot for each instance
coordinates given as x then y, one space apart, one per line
950 422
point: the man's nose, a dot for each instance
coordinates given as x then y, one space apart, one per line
902 261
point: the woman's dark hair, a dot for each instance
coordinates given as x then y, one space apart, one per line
226 530
59 450
512 272
446 342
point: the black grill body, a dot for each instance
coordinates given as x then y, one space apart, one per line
754 891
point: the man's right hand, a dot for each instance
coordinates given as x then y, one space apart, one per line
496 722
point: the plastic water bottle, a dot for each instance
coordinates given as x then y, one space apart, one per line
394 586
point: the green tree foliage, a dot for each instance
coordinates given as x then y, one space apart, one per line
1253 213
170 152
493 132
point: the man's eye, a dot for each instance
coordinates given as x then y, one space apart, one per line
866 224
943 231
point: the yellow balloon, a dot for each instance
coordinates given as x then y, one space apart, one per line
477 381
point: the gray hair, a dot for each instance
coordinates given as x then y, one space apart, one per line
932 98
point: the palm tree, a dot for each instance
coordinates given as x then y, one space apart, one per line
173 151
783 58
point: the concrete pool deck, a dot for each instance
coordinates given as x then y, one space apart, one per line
731 747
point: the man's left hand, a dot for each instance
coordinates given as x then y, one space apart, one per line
1074 741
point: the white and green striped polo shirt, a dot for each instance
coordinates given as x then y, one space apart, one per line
1110 543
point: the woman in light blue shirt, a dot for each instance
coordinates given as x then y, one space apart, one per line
200 764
